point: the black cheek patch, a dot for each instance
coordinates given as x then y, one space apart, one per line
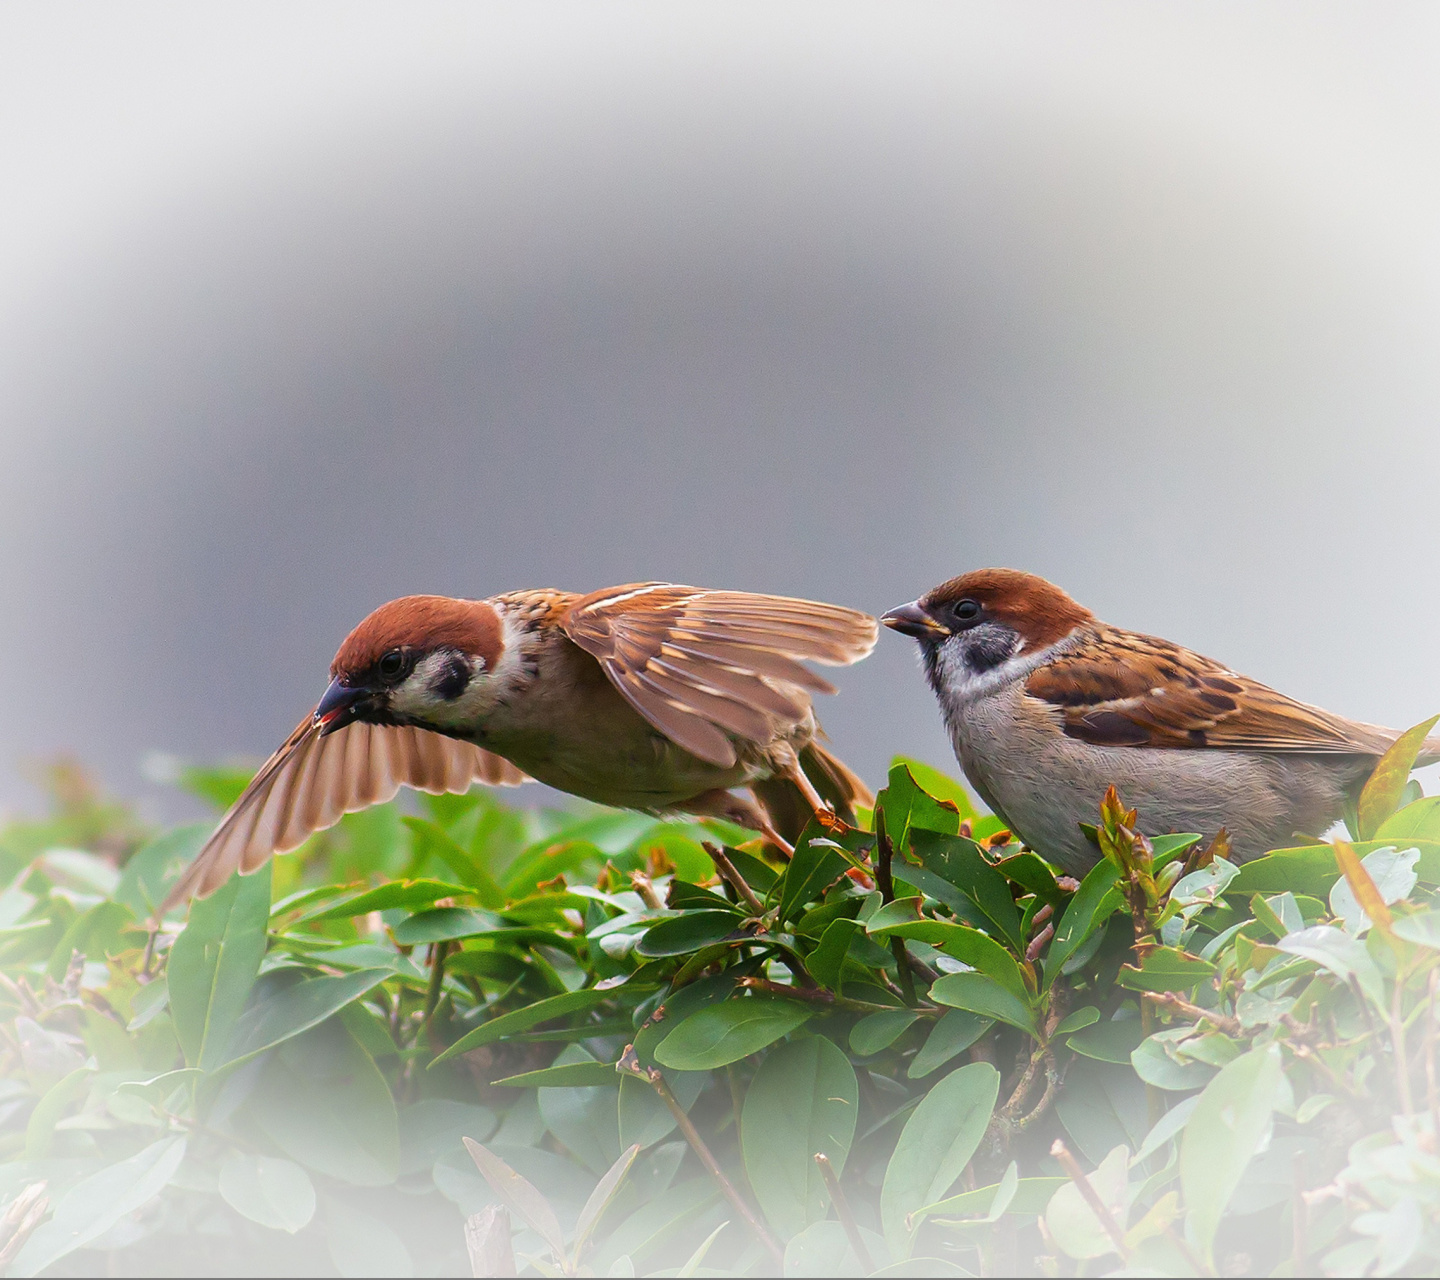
987 649
453 680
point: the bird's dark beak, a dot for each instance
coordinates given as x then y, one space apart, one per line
337 707
912 620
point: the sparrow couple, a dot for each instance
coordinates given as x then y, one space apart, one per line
673 699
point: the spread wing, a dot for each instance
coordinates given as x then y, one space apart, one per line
1120 689
706 666
313 781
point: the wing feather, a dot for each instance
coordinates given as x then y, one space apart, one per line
312 781
1117 688
706 667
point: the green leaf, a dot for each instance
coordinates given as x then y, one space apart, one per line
444 924
902 919
1166 969
676 1007
1073 1224
1391 871
823 1249
905 805
1033 873
584 1116
980 993
727 1032
1077 1021
387 897
939 786
1157 1060
298 1008
1382 791
1341 954
519 1195
96 1203
803 1100
323 1102
936 1144
686 933
955 1032
600 1199
1030 1197
570 1075
1165 849
1420 820
534 1015
1423 929
958 860
1228 1127
811 871
1093 903
431 838
214 963
644 1118
827 961
879 1031
1112 1041
1102 1106
155 866
275 1193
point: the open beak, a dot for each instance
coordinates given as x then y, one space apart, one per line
912 620
337 707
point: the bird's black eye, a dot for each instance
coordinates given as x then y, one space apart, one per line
967 610
391 664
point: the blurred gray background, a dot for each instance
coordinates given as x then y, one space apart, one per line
306 306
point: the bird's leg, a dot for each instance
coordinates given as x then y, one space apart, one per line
742 810
789 767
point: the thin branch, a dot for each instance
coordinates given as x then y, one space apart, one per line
885 882
814 995
842 1211
1091 1197
437 980
697 1144
1223 1021
734 879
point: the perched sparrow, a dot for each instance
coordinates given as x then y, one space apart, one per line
1047 706
650 696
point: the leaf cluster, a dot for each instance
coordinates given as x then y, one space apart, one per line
466 1037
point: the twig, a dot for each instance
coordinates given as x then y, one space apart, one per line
842 1211
1223 1021
437 980
885 882
733 878
813 995
1091 1197
21 1218
644 886
630 1063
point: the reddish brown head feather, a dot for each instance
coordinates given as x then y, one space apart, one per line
422 623
1037 609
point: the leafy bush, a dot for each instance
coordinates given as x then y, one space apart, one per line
467 1035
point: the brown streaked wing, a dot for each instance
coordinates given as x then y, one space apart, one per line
702 665
311 782
1120 689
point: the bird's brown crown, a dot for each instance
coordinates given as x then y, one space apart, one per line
1038 610
422 623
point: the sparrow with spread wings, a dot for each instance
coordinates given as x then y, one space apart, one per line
1047 706
662 698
